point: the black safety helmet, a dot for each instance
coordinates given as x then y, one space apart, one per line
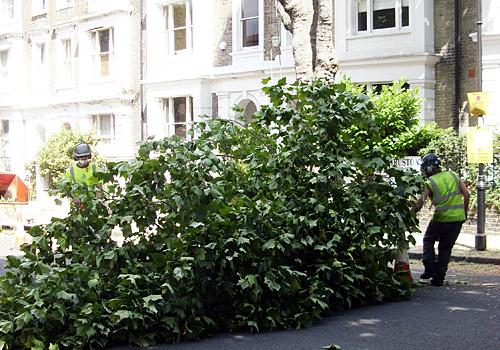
430 163
81 150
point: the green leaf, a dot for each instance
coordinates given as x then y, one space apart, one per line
272 284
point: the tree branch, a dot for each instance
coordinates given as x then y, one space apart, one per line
285 17
301 13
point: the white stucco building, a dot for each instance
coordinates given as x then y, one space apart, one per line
130 69
72 63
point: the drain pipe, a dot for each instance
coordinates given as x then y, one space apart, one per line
458 51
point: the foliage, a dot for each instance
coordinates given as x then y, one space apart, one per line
451 148
56 155
396 117
268 225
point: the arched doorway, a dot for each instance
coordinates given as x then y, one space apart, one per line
249 109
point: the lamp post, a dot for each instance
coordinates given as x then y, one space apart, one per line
481 183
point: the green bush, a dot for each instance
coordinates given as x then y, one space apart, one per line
266 226
395 116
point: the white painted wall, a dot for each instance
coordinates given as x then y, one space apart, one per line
37 104
390 54
491 58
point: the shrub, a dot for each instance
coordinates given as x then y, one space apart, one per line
270 225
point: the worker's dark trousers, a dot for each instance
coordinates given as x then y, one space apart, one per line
446 233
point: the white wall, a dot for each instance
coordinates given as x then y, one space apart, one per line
390 54
491 58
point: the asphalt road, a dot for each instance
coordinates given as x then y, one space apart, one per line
464 314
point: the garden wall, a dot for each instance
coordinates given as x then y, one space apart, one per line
492 222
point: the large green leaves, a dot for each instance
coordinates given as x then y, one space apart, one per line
271 224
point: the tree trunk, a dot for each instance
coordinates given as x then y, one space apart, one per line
311 25
326 64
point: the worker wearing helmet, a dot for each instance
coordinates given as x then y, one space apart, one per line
450 198
82 171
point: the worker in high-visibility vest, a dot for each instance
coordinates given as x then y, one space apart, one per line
82 171
450 197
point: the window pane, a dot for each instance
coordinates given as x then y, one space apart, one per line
105 126
104 65
180 39
179 15
191 110
383 4
5 126
104 41
180 130
179 110
362 24
42 53
250 109
384 14
4 57
250 32
405 13
249 8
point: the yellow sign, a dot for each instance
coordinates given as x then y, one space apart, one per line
478 102
479 145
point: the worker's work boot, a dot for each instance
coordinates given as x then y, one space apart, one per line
437 281
426 275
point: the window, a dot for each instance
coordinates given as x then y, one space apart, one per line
102 43
6 9
249 109
40 55
378 87
66 61
38 7
39 65
5 127
178 113
178 19
382 14
249 23
4 63
104 127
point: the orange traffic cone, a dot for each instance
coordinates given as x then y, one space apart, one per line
402 264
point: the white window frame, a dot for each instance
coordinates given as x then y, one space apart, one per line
239 24
7 10
65 61
4 66
97 127
398 9
64 4
168 112
39 7
169 29
98 55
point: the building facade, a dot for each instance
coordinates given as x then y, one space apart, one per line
204 57
70 63
131 69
